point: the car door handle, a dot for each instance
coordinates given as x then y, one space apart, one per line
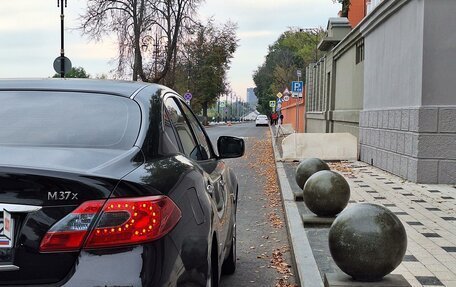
210 189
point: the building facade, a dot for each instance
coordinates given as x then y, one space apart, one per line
389 81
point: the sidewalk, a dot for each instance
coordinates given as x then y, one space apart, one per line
428 213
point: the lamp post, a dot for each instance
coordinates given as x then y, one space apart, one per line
62 4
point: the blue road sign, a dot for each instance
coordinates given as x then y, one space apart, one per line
188 96
279 101
296 87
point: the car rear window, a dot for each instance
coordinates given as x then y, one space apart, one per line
262 117
68 119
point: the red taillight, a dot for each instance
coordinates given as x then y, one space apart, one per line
122 221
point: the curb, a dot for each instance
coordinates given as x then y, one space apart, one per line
307 273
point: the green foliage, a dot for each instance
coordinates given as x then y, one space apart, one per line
75 72
294 50
205 61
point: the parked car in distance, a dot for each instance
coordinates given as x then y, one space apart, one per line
107 183
261 120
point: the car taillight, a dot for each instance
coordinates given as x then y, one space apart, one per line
122 221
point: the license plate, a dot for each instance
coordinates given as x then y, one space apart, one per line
6 230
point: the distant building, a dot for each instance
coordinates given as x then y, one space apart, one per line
251 98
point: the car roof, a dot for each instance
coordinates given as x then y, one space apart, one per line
119 88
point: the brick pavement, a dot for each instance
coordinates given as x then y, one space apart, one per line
428 213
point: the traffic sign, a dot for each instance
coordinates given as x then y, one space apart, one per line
286 92
187 96
272 104
286 98
188 102
279 95
279 101
58 65
222 104
297 88
298 73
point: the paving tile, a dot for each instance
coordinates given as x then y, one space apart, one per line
449 218
433 209
449 248
428 214
429 280
371 191
442 275
449 283
430 234
410 258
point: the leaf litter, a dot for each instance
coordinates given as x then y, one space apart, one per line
263 162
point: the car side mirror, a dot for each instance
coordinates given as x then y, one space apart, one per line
230 147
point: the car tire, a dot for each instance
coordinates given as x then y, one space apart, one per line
229 265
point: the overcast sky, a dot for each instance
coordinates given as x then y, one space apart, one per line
30 34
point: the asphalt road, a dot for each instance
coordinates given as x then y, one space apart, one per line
259 241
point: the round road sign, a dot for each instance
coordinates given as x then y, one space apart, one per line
187 96
58 65
286 98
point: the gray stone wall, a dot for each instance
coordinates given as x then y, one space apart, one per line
316 125
418 144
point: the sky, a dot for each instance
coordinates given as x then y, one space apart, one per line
30 35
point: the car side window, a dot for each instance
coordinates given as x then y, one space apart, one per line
169 129
199 133
184 132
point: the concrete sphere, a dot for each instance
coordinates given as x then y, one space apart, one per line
326 193
367 241
307 167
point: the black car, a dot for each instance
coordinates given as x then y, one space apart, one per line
106 183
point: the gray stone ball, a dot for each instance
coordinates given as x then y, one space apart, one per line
307 167
367 241
326 193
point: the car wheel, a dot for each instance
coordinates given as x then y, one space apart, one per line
229 265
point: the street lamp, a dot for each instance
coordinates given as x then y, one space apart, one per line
62 64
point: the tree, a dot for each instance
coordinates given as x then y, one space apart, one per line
295 49
204 62
75 72
147 32
345 7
